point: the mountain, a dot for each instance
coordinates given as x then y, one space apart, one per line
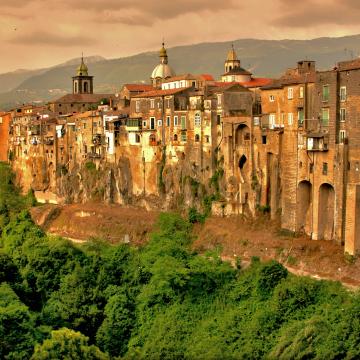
267 58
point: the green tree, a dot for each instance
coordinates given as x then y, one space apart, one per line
16 326
115 331
67 344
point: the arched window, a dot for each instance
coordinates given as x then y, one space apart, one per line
197 138
175 137
152 139
137 138
75 87
86 87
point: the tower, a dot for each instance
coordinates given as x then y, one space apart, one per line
162 71
82 82
231 61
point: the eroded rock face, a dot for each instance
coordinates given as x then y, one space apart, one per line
159 184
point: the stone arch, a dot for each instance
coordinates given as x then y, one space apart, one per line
326 213
242 162
304 201
242 134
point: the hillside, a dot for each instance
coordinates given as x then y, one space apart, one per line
263 57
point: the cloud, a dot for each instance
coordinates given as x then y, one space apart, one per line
140 12
318 13
52 40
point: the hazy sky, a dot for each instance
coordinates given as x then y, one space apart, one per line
38 33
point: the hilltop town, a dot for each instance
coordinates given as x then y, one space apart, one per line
239 144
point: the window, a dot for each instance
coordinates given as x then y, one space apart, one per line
137 106
272 119
183 136
219 99
176 121
263 139
342 136
84 125
342 114
168 103
300 117
159 104
290 119
271 98
290 93
197 138
218 119
301 92
152 103
325 117
175 137
197 121
343 93
144 123
325 93
311 168
159 123
168 121
137 138
325 168
207 138
152 123
183 122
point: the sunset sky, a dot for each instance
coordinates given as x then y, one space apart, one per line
41 33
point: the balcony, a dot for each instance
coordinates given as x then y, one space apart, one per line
93 155
317 142
49 141
98 140
133 125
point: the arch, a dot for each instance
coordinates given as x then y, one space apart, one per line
242 162
86 87
326 213
197 138
152 139
242 134
75 87
304 200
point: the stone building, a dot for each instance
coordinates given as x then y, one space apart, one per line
243 144
5 123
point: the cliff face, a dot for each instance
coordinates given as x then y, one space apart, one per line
164 186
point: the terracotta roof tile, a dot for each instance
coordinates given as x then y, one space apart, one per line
138 87
155 93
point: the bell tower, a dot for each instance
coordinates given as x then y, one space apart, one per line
231 62
82 82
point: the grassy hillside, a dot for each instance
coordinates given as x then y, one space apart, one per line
263 57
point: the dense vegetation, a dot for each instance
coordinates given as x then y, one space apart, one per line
63 301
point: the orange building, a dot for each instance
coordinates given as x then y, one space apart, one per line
5 119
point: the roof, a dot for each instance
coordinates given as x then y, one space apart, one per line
238 71
155 93
231 56
82 98
138 87
207 77
224 86
349 65
254 82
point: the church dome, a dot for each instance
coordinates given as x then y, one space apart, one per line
162 71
